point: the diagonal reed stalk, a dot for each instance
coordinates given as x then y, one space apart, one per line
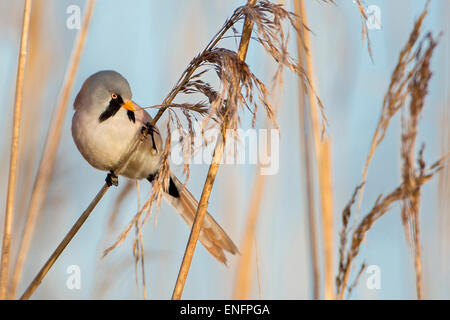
6 245
212 172
78 224
46 165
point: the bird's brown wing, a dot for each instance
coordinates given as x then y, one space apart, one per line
212 236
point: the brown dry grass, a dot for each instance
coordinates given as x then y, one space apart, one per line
418 90
395 96
381 207
410 81
364 29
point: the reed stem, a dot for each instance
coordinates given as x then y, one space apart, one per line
9 213
212 172
307 123
43 178
79 223
243 278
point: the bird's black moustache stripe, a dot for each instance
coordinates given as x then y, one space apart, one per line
113 107
111 110
130 115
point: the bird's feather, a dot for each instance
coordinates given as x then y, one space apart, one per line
212 236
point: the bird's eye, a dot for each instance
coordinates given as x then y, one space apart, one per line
113 95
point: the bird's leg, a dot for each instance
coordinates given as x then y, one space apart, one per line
112 179
149 129
146 128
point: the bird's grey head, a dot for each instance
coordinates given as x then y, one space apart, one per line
105 92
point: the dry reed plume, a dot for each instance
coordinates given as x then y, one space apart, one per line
364 30
410 81
395 96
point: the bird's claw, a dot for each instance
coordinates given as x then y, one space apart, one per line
147 128
112 179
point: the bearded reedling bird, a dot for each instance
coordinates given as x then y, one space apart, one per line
104 126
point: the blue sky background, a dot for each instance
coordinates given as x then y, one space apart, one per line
150 43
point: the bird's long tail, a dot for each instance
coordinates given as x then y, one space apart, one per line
212 236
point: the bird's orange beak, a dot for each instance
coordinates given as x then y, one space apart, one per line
129 105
